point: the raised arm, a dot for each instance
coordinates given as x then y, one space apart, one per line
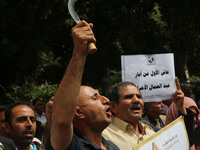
48 113
67 94
178 98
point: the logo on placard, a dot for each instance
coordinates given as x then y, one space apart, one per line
151 60
154 147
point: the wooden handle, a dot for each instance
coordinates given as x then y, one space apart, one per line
92 48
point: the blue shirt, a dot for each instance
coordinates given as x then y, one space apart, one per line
34 146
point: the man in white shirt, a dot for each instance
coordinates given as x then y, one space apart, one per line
39 110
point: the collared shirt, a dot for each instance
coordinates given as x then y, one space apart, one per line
42 119
124 136
157 122
81 142
34 147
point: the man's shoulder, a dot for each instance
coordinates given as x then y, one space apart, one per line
163 118
111 126
75 144
83 143
112 131
147 129
109 145
117 124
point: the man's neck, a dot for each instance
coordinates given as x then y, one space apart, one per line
93 135
97 139
153 115
136 127
24 147
40 113
134 123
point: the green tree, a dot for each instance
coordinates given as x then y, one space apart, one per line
36 42
182 19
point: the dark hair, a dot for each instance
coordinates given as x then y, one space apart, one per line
35 101
147 104
8 113
3 107
196 136
113 94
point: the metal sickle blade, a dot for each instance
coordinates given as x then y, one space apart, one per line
71 4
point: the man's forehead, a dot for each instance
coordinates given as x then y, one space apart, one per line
128 89
22 110
157 102
86 90
86 93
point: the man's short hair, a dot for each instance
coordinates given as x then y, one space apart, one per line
113 94
3 107
8 113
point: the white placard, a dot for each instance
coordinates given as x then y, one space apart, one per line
172 137
153 75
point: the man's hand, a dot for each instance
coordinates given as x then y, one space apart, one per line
82 34
48 113
49 109
178 98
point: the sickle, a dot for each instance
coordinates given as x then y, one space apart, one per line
71 3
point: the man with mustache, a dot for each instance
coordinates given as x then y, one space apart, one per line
154 113
80 113
21 124
126 129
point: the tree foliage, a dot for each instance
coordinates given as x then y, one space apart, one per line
30 91
36 42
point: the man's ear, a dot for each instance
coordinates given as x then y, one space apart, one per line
79 112
113 107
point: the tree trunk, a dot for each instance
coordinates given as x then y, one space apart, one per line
182 69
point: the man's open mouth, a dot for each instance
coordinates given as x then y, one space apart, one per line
108 112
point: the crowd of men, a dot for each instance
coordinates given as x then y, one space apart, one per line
79 117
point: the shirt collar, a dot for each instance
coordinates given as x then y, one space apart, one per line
121 124
43 114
